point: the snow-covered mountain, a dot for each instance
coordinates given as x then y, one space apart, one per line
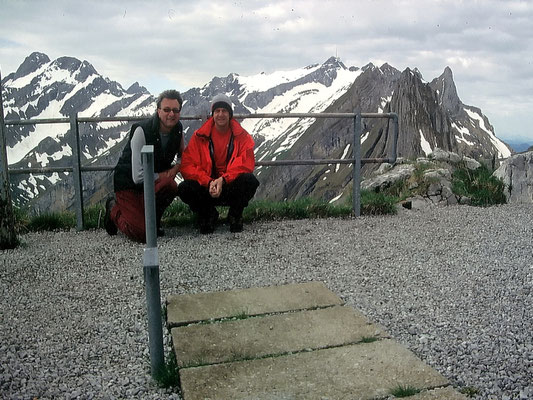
40 89
431 115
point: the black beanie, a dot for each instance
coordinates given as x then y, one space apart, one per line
221 101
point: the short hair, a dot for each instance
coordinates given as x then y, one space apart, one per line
169 94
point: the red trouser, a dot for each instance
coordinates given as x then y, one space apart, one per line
128 212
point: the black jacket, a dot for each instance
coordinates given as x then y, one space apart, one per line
162 160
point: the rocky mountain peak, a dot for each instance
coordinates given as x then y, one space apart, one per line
447 74
445 88
409 73
136 88
334 63
31 63
388 70
85 70
368 66
417 72
70 64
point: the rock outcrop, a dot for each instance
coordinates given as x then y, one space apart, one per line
429 177
517 174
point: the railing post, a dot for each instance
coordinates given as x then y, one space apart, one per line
5 192
357 166
8 236
394 150
76 171
151 266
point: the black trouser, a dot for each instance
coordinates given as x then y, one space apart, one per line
236 195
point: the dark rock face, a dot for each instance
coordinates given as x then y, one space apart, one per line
32 63
431 116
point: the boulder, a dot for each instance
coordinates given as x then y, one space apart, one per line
516 172
380 182
450 157
443 155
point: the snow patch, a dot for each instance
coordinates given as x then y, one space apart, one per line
28 143
424 144
384 102
343 156
312 97
335 198
501 148
26 80
262 82
463 131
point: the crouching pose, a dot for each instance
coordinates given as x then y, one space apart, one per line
125 211
217 168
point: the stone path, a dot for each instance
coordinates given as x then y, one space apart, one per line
294 341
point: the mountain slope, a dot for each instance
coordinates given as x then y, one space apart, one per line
430 116
41 88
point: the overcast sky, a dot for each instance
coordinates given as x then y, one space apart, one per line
183 44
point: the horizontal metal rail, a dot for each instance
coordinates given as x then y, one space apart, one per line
271 163
76 168
37 121
45 170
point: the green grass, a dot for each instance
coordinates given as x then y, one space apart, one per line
240 316
369 339
404 391
373 203
303 208
168 376
479 185
178 214
94 216
51 222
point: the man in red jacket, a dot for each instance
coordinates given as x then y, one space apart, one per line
217 167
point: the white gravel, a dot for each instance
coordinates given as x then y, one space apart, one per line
454 285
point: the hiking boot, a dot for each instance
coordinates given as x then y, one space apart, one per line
109 225
235 223
207 222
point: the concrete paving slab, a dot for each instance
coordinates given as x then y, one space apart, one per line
189 308
272 334
359 371
446 393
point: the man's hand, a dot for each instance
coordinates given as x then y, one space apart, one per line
171 173
215 187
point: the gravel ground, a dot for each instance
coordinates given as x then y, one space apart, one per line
454 285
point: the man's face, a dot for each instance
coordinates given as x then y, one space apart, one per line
221 118
169 114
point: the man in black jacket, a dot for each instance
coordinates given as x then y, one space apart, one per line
125 211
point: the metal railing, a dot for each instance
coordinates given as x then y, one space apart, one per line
76 168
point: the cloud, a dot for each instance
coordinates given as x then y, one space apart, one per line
488 44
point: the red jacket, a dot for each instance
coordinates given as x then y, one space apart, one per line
196 161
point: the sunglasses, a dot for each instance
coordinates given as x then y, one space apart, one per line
168 109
